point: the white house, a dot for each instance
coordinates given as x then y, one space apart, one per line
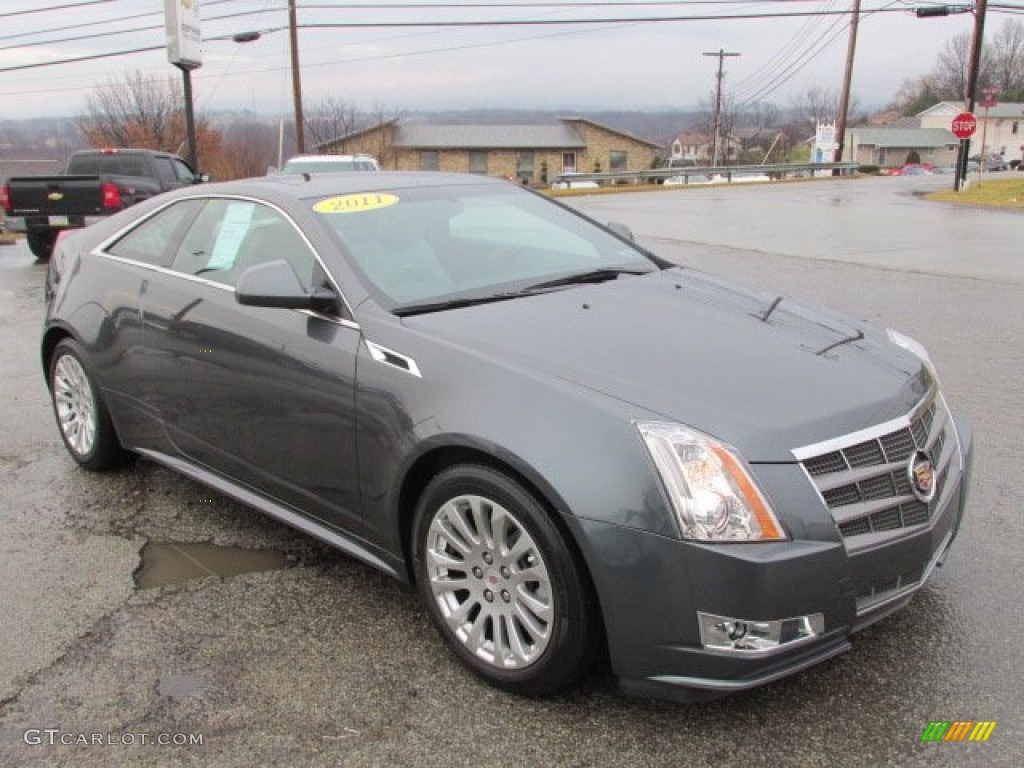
1003 134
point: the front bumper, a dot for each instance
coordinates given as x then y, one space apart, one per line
41 223
653 635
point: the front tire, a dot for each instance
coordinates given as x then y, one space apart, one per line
500 583
82 416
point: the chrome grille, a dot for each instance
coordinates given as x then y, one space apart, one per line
866 484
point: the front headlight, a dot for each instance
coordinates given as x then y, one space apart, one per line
914 347
713 496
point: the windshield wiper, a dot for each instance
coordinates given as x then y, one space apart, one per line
467 301
593 276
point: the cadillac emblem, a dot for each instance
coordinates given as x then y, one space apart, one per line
922 476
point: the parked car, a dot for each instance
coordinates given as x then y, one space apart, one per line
571 447
569 181
992 162
691 178
96 183
911 169
329 164
972 167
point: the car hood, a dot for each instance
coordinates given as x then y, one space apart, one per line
763 373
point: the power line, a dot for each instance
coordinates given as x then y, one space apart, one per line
116 19
611 22
77 59
832 33
566 22
461 6
794 46
54 8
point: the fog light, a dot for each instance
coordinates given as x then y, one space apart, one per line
720 633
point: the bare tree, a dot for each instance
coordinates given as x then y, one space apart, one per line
1007 68
332 119
134 111
764 116
250 148
817 105
953 67
728 120
916 95
137 112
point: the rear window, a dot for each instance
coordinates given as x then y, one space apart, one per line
115 164
327 166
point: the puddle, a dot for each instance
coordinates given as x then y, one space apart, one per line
171 562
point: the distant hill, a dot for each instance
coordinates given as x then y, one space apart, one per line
54 139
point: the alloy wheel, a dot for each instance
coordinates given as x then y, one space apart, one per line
490 582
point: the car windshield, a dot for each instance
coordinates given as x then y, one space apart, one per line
429 245
325 166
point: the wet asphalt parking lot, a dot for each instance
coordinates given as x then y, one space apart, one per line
139 603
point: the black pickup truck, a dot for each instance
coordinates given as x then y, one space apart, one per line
96 183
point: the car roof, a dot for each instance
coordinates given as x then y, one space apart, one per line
312 185
326 158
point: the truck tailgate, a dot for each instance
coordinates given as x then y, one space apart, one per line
55 196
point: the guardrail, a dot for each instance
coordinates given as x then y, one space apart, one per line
701 174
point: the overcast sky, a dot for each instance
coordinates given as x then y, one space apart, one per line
575 67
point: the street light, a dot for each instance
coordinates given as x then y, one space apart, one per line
293 35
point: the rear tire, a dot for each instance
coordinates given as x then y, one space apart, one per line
500 582
82 416
41 243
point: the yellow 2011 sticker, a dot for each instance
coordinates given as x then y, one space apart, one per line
364 201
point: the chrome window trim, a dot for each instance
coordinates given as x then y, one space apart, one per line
870 433
329 318
101 249
162 270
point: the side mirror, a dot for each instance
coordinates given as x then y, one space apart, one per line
621 230
275 284
201 178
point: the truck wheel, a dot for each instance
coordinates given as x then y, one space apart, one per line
41 244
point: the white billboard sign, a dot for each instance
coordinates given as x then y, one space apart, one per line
183 39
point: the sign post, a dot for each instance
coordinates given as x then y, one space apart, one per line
183 51
988 101
964 126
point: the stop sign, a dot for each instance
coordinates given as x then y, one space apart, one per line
964 125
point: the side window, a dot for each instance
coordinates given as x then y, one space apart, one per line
183 172
151 241
229 236
84 164
164 170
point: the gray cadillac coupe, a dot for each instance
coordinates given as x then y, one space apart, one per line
571 447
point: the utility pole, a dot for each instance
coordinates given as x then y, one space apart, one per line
721 54
300 132
972 89
844 98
